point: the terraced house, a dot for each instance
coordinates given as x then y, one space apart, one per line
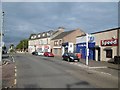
41 42
65 42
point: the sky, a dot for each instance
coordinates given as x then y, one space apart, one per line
24 18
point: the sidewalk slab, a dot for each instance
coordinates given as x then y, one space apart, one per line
102 64
8 75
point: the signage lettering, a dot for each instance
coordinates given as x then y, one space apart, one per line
110 42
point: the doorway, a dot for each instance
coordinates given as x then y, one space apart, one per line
99 54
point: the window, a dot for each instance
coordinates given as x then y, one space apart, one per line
60 42
38 35
55 43
32 37
108 53
43 35
48 34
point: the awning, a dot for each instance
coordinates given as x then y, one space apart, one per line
95 47
65 44
107 49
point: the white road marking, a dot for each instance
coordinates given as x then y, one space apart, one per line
15 70
15 82
15 67
15 74
106 73
97 67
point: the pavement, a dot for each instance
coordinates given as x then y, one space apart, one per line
99 66
8 71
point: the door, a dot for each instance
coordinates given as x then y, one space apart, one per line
99 54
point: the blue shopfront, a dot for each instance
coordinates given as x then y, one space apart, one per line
81 48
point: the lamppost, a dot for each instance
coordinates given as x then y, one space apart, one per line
1 32
87 49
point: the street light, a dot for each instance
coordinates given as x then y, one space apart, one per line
1 32
87 49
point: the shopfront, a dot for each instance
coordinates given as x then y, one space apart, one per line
109 47
43 48
81 47
67 47
106 44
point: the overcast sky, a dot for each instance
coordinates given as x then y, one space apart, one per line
22 19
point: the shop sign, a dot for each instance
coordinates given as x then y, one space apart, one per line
81 45
110 42
46 47
91 38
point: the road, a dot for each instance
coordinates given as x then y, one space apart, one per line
49 72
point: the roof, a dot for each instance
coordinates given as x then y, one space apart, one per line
42 35
63 34
106 30
100 31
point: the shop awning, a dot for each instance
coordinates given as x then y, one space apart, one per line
65 44
107 49
95 47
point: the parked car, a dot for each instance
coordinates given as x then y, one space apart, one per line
34 53
70 57
40 53
48 54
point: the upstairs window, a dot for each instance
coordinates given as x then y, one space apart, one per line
60 42
48 34
38 35
43 34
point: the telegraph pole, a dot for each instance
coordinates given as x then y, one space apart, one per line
1 33
87 49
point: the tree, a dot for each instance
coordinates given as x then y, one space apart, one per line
23 45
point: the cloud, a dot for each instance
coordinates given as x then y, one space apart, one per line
60 0
27 18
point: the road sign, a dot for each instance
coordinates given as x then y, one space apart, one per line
90 38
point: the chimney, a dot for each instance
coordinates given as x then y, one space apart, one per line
61 29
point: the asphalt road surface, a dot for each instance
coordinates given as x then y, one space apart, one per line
53 72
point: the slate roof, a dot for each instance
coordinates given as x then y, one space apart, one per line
51 32
63 34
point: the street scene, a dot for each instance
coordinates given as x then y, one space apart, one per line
63 45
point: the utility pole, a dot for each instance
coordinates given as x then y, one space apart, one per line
87 49
1 32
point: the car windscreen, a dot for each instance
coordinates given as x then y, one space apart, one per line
72 55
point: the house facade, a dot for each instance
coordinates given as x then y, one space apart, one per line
65 42
41 42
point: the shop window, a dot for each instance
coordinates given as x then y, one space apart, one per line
108 53
60 42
